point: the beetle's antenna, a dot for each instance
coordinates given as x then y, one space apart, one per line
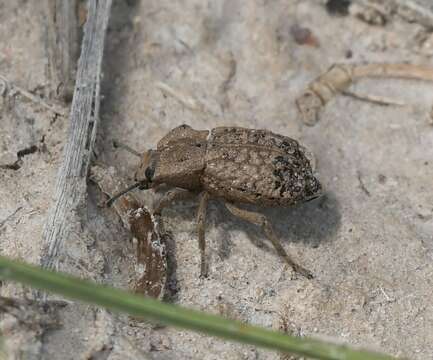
111 200
120 145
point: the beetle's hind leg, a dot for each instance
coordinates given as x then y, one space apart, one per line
201 225
263 222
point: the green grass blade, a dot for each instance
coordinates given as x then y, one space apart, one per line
168 314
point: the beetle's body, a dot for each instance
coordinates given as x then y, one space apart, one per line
257 167
236 165
233 163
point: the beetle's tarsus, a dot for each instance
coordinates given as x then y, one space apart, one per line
302 271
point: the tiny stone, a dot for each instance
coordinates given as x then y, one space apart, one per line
382 179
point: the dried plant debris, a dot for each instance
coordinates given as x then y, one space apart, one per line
151 250
339 77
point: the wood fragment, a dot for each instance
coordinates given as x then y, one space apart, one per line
62 45
340 76
70 190
183 98
151 249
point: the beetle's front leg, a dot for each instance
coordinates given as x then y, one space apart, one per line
201 224
170 197
261 220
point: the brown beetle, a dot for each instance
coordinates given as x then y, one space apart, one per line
236 165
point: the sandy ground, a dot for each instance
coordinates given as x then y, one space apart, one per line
368 240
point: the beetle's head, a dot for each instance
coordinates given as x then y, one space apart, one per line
146 170
143 176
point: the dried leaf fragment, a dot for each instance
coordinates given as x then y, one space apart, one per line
151 250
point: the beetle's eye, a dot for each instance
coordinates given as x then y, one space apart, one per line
149 172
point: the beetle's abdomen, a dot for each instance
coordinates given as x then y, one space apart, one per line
257 166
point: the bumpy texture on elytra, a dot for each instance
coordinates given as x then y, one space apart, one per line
257 166
233 163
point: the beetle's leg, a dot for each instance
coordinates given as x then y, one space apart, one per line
261 220
201 222
170 197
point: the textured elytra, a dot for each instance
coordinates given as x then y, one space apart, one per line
233 163
257 166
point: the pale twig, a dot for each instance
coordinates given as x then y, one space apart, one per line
185 99
340 76
70 190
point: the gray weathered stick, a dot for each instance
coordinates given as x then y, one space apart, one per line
70 191
62 45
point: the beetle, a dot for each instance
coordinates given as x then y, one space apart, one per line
236 165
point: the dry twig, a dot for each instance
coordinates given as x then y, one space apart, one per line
70 191
340 76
